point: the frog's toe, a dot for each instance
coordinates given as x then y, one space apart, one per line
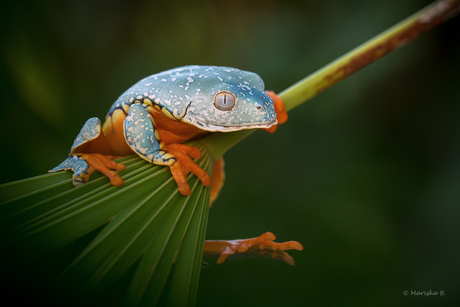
79 179
103 163
180 176
193 152
281 114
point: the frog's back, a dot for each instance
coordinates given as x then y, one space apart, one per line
176 88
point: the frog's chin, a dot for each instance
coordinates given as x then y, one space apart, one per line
229 128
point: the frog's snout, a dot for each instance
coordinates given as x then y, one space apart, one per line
266 115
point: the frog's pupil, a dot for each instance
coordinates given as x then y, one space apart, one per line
224 101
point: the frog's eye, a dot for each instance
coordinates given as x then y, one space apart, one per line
224 101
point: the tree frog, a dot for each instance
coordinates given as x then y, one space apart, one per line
160 112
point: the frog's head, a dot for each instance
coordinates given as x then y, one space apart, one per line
229 99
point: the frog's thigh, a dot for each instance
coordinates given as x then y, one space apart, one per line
91 139
88 133
140 135
218 178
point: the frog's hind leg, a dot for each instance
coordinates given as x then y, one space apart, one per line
83 160
262 246
142 138
217 181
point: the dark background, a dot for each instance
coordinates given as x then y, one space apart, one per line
366 176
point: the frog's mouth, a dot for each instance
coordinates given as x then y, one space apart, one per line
229 128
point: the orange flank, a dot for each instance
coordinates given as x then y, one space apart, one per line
174 131
113 130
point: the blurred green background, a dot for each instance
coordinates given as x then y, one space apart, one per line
366 176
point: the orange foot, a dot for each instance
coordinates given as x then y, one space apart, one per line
184 165
102 163
262 246
281 114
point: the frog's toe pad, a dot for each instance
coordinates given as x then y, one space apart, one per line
79 180
262 246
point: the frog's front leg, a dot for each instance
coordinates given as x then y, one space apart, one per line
140 135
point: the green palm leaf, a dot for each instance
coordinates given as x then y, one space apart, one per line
146 220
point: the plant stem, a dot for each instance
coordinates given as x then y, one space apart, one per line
369 52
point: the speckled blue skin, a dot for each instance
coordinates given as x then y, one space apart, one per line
90 131
186 94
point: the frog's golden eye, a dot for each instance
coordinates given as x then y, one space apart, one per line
224 101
